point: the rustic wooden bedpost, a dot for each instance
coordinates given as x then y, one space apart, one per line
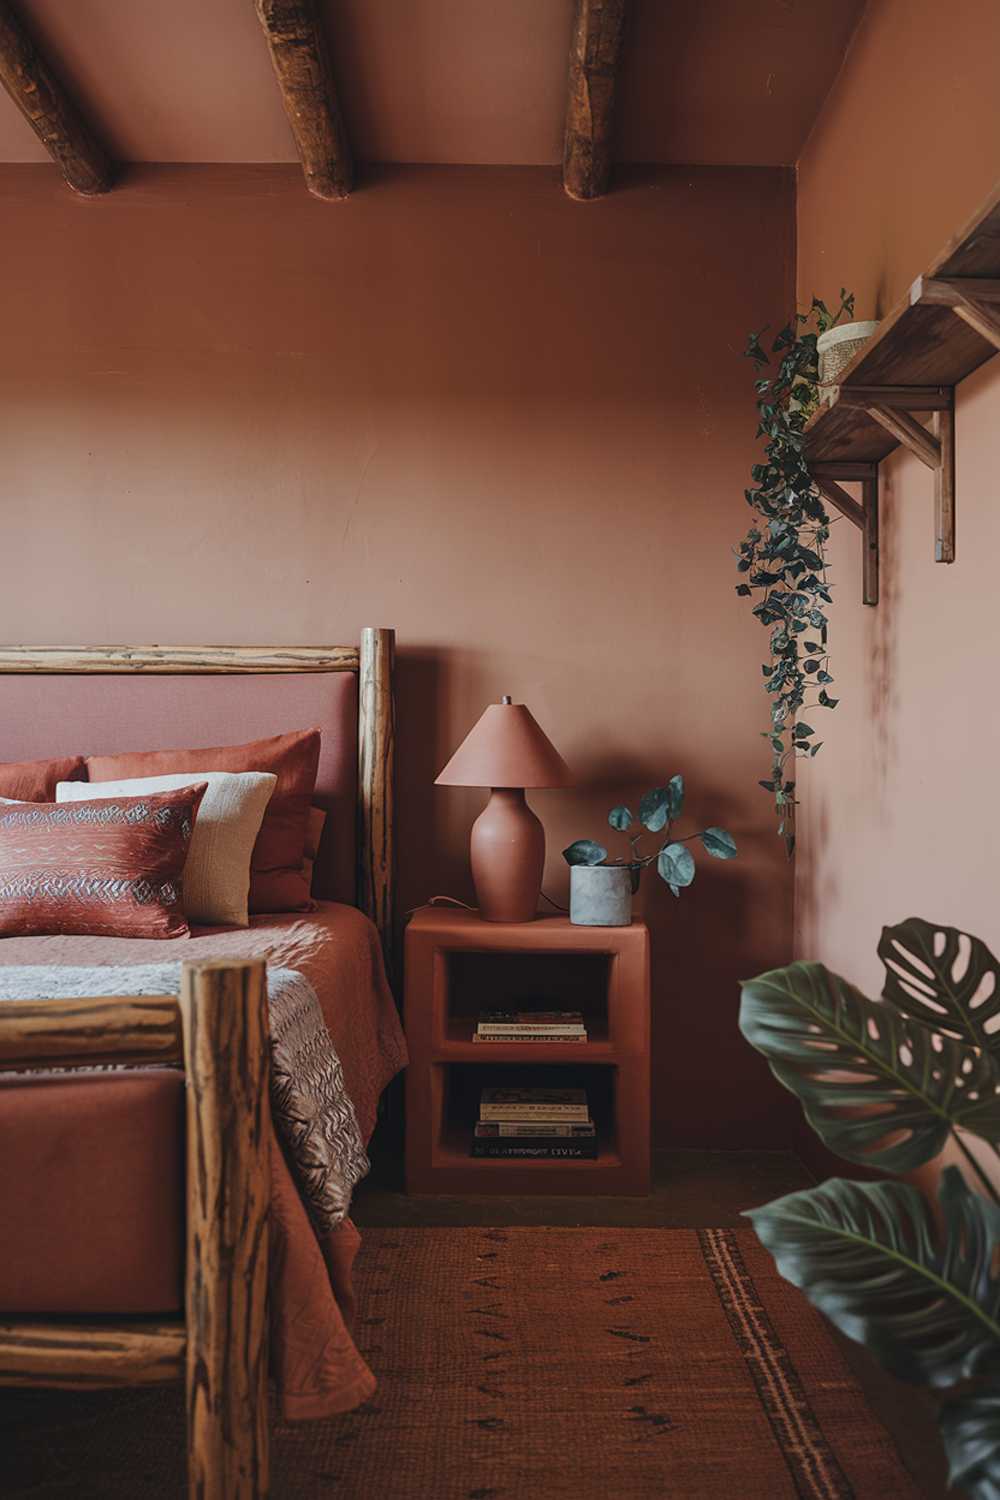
376 783
227 1066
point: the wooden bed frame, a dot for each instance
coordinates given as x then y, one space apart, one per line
218 1031
374 664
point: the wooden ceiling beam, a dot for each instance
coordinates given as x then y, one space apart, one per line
301 59
594 56
49 110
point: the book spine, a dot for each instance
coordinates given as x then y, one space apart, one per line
537 1149
551 1113
517 1036
530 1018
515 1028
494 1128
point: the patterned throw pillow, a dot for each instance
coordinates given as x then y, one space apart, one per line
217 873
114 866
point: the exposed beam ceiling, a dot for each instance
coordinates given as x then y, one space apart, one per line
301 59
594 58
702 82
48 109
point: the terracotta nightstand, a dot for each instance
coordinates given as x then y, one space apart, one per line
457 965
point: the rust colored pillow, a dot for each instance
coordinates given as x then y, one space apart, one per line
114 866
277 879
35 780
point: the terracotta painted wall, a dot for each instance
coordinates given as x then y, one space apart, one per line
900 809
515 428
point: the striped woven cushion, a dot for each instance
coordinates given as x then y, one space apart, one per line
113 866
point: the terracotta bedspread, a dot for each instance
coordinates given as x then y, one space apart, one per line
316 1367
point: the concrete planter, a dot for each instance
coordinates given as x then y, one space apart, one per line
600 895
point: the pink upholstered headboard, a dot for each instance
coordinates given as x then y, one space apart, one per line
104 700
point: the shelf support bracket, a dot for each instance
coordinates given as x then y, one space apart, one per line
974 299
891 406
827 477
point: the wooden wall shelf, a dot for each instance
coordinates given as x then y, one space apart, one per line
946 327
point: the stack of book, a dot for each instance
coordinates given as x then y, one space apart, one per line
553 1124
530 1026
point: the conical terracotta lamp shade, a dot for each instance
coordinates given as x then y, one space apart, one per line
507 751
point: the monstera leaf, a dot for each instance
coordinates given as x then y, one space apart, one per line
878 1089
868 1256
945 979
970 1428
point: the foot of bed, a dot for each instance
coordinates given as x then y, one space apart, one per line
226 1055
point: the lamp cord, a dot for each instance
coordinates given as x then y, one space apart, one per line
464 905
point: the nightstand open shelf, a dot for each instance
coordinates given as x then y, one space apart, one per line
457 965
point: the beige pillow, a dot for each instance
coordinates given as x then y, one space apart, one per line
217 871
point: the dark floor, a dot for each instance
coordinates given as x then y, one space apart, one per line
691 1189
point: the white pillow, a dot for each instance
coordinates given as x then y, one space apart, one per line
217 870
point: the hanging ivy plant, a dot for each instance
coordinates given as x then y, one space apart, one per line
783 555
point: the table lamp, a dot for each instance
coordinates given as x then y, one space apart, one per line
507 751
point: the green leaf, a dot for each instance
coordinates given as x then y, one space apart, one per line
868 1256
675 796
877 1088
675 863
585 852
970 1430
803 731
944 978
620 818
718 842
654 808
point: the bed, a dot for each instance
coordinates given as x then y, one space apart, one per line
115 1164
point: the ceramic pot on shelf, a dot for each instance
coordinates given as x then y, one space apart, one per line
600 895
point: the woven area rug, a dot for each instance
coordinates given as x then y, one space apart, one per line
524 1363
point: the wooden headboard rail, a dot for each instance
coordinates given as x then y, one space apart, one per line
373 661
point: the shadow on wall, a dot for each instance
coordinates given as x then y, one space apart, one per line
883 633
709 1087
869 677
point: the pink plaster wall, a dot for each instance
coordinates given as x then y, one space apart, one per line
899 814
513 427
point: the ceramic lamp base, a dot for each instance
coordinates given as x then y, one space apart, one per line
507 853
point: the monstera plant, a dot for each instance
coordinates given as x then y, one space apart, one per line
887 1084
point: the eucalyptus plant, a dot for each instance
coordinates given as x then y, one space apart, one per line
658 810
887 1084
783 555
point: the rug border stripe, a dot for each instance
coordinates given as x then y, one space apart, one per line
812 1463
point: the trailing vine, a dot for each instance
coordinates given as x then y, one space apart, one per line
783 555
